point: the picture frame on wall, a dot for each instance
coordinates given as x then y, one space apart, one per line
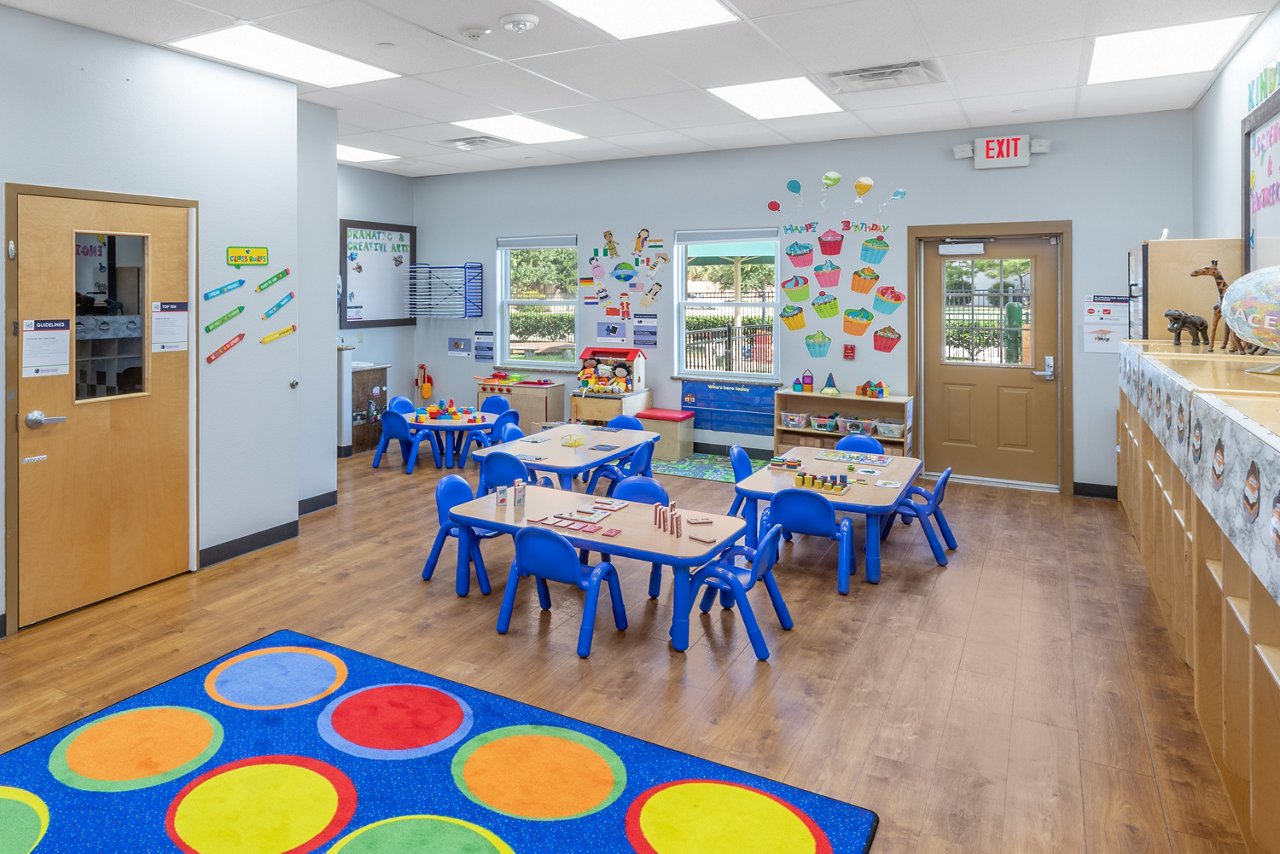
1260 165
374 259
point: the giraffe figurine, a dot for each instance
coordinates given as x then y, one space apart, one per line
1230 342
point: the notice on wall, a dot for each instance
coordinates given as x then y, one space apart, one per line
460 347
374 268
611 332
1106 322
484 346
46 348
168 326
644 329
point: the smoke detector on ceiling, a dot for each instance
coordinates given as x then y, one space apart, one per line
474 143
886 76
521 22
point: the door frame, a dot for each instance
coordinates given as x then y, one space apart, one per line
11 355
916 237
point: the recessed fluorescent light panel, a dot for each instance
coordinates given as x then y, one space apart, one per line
520 129
362 155
255 48
626 19
778 99
1164 52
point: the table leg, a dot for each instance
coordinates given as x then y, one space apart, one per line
438 438
566 481
751 509
448 450
873 547
681 605
463 584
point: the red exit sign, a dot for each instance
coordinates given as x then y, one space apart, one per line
997 152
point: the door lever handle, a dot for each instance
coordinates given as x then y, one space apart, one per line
36 419
1047 373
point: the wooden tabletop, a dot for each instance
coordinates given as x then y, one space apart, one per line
766 482
639 538
557 457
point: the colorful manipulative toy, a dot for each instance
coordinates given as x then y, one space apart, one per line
806 381
870 389
830 386
834 483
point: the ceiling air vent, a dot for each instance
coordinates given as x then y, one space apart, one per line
886 77
475 143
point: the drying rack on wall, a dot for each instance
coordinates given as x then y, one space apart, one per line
446 291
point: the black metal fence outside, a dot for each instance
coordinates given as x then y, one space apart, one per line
735 349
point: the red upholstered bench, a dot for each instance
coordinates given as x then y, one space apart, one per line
676 428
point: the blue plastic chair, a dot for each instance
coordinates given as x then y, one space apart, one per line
802 511
625 422
495 404
741 471
511 433
860 442
489 437
636 464
733 580
548 556
400 404
451 491
929 505
501 469
394 426
638 489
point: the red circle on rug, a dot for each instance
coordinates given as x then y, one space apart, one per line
397 717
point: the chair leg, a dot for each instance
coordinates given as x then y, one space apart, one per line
844 544
588 619
779 605
591 484
584 556
410 454
613 484
749 621
508 601
404 451
380 450
615 599
655 581
934 545
886 526
435 449
736 507
482 575
947 536
429 568
726 599
544 595
708 597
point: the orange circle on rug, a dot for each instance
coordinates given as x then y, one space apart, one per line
264 803
136 748
718 816
540 773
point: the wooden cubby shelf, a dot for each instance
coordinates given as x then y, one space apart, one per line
897 408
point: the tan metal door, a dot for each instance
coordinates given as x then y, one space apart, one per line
102 496
991 359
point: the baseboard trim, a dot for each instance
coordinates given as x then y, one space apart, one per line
723 450
317 502
1094 490
344 451
248 543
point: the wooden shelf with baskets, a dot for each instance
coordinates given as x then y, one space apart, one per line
788 432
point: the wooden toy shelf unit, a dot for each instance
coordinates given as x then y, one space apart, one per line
451 291
794 431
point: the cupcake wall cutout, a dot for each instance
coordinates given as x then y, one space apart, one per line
1219 465
793 317
818 344
886 338
857 320
887 299
796 288
864 280
1197 441
828 274
874 249
1252 492
800 254
830 242
825 305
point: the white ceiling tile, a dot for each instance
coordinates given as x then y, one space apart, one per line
437 132
507 86
740 135
526 155
1025 68
662 142
361 113
1107 16
346 128
1130 96
585 150
692 108
595 120
923 93
914 118
388 144
252 10
820 128
855 34
605 72
149 21
953 28
556 31
717 56
354 29
467 160
1043 106
761 8
416 96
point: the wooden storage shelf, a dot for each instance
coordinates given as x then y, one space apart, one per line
1214 568
884 440
896 407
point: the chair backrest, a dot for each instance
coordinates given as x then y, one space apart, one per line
766 553
625 422
641 489
501 469
394 425
640 460
860 442
495 404
547 554
741 463
804 512
400 404
509 417
939 488
451 491
510 433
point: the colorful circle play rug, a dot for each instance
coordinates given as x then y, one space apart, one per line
293 744
704 466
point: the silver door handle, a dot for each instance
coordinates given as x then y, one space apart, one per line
36 419
1047 373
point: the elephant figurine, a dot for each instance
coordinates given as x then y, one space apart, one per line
1179 320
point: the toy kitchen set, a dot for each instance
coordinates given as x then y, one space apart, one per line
537 401
610 383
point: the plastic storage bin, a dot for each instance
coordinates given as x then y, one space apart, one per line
795 419
890 429
857 425
827 423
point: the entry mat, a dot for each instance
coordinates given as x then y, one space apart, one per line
294 744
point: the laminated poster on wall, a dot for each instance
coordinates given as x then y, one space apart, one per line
644 329
460 347
375 261
168 326
611 332
46 347
483 342
1106 322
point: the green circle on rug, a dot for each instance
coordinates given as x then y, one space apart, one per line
24 818
539 773
422 833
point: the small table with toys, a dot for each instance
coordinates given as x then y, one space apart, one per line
571 449
685 540
871 484
448 424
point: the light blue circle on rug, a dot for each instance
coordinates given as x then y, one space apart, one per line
276 678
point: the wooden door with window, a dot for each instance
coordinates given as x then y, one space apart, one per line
101 457
991 359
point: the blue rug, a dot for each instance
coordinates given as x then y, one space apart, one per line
294 744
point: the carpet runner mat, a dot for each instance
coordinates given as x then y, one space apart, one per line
294 744
703 466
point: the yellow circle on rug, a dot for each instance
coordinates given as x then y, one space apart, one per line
710 817
136 748
539 773
267 803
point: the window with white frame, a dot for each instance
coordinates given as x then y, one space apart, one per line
537 301
727 303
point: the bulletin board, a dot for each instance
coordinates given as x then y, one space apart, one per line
374 259
1261 166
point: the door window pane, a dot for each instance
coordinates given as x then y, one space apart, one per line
987 311
110 285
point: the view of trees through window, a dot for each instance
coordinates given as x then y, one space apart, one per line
987 318
540 302
728 306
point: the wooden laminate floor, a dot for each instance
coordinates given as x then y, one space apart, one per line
1022 699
